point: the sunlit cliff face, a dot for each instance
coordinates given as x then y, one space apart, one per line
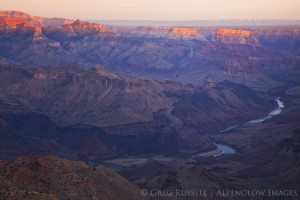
223 31
19 25
83 27
235 37
12 21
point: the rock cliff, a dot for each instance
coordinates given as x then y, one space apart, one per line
168 32
37 21
18 25
235 36
84 28
185 31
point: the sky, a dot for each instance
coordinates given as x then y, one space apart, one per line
162 10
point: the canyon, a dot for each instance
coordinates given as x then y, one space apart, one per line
151 116
154 103
190 55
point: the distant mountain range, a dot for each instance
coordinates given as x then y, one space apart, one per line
221 22
55 21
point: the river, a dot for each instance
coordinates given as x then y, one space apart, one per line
224 149
228 150
276 111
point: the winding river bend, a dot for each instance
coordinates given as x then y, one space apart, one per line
223 149
228 150
276 111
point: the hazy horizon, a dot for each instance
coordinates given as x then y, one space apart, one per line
216 22
155 10
203 22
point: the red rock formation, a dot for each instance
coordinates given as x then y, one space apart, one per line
168 32
18 25
235 36
223 31
10 24
185 31
12 21
82 28
37 21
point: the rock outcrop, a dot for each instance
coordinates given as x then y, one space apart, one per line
168 32
167 176
282 38
37 21
79 28
17 34
235 36
52 178
185 31
223 31
18 25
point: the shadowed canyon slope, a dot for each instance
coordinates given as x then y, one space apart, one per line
266 157
154 116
